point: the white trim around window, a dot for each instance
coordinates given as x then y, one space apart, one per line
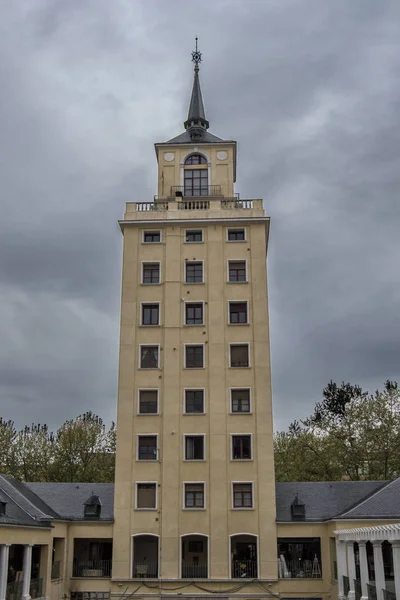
186 302
184 356
141 313
150 262
193 389
188 535
232 535
237 229
239 344
138 402
246 302
132 560
246 433
196 229
155 483
246 266
140 355
233 389
143 460
144 231
203 435
184 507
233 507
189 261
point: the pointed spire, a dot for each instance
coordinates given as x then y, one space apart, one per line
196 121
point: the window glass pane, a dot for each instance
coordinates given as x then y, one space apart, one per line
151 273
236 235
194 447
148 401
194 495
194 357
194 314
150 314
152 236
239 355
194 272
241 447
242 495
194 236
194 401
237 313
146 495
149 357
240 400
237 271
147 447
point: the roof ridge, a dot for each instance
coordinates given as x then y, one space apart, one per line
385 485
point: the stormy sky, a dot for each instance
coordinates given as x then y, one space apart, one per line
309 88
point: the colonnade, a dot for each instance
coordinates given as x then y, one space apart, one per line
27 570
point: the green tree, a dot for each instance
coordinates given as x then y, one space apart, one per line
34 447
8 457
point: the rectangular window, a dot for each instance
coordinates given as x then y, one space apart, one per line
194 447
241 447
242 495
302 556
239 355
150 314
237 270
194 496
147 447
194 401
149 357
146 495
151 273
148 402
194 272
194 313
193 235
238 313
236 235
151 237
240 401
194 357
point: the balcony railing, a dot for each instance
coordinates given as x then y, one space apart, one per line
145 570
235 203
388 595
346 585
194 205
194 571
244 568
293 569
371 590
357 589
56 569
204 190
92 568
14 590
146 206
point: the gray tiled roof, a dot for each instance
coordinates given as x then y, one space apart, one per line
324 499
20 510
67 499
206 138
385 502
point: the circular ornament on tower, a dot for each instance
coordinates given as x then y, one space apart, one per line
221 155
169 156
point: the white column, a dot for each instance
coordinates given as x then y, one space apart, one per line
4 552
341 567
378 568
396 566
363 569
27 567
351 565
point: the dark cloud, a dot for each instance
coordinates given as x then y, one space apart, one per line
309 89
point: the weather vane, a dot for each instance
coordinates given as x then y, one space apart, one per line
196 57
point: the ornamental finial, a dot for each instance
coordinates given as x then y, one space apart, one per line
196 57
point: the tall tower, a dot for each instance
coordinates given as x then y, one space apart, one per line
195 488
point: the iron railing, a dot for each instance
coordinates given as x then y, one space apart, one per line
194 571
91 568
189 192
14 590
357 589
145 569
388 595
371 590
244 568
56 569
346 585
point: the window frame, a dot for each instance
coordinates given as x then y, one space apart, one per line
142 305
250 435
151 231
192 508
249 356
192 389
150 262
184 355
147 460
186 231
185 313
140 357
231 411
195 460
137 483
246 302
228 229
142 414
237 260
233 507
188 262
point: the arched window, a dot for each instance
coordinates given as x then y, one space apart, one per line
195 179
